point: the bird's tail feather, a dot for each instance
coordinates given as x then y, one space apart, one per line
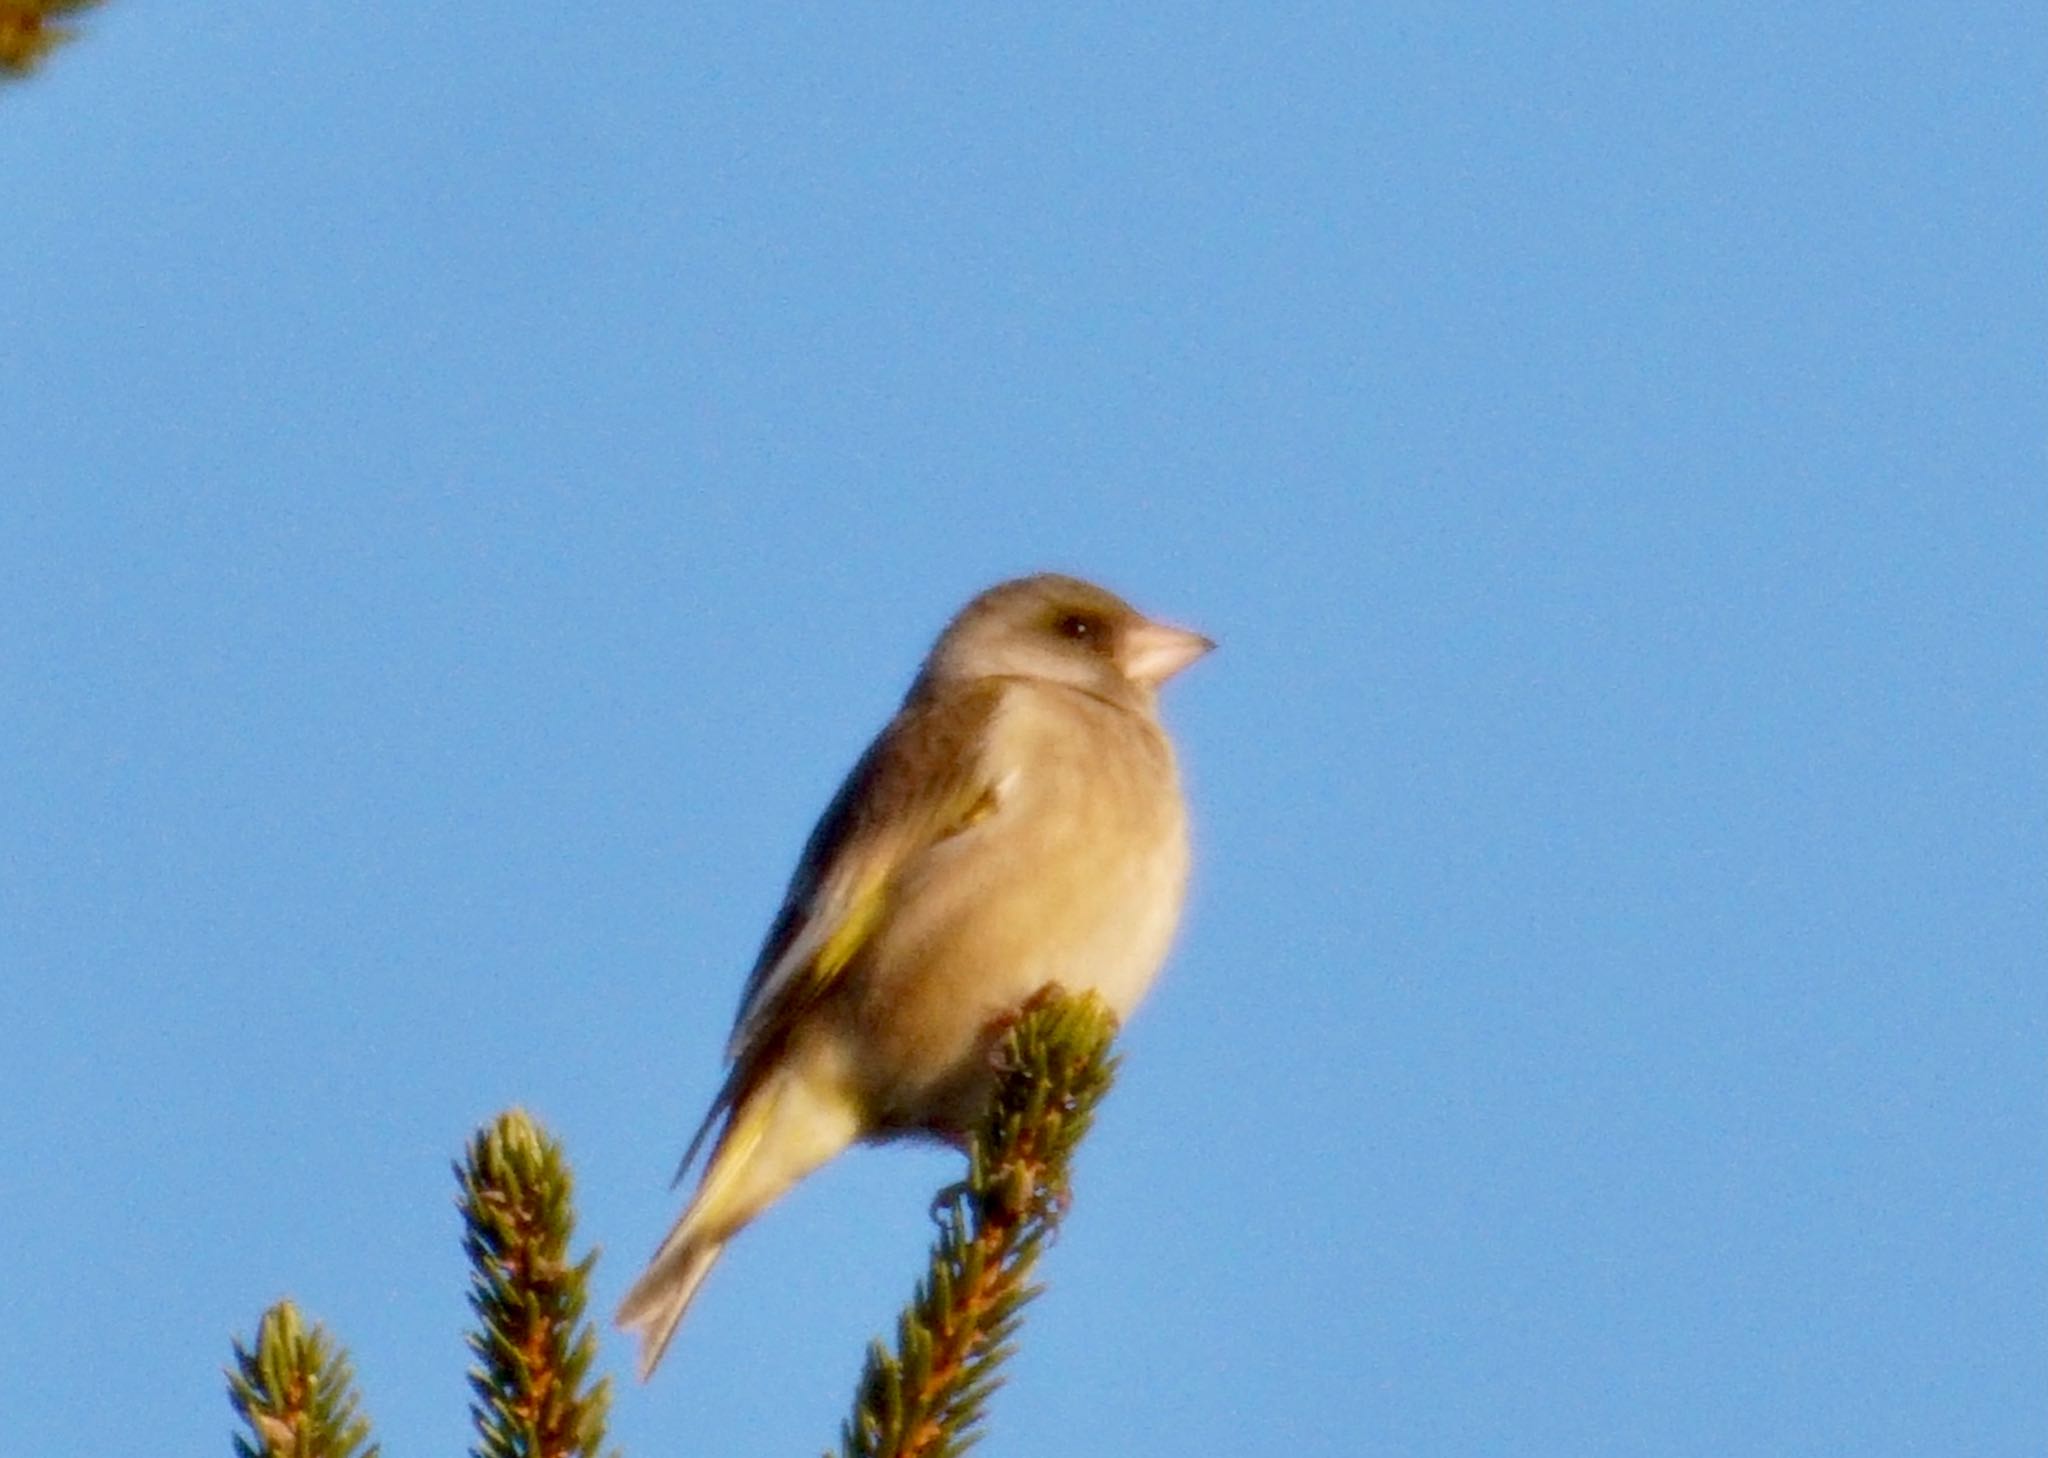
654 1308
785 1128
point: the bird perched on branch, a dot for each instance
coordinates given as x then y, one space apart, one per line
1018 823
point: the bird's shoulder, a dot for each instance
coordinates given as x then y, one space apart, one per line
929 757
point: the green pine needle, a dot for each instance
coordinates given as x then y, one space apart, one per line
530 1388
927 1399
26 34
295 1391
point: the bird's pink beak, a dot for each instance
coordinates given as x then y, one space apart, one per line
1154 652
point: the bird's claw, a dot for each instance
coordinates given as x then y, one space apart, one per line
947 1198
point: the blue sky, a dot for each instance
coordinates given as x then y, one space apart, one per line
471 483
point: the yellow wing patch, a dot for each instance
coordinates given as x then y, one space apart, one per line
861 916
983 806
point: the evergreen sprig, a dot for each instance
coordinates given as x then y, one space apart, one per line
531 1393
530 1386
295 1391
26 34
926 1399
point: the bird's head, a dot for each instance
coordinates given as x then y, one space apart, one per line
1067 631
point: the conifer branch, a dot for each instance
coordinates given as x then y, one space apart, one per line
531 1391
531 1387
925 1399
26 34
295 1391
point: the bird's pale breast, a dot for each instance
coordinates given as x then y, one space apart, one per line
1076 878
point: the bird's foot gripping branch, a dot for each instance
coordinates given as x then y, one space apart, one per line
533 1396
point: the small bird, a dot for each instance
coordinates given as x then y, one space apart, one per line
1018 823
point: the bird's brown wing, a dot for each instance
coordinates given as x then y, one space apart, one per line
921 781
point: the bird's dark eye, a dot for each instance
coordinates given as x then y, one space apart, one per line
1078 627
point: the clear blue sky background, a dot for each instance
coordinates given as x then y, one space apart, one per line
471 481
